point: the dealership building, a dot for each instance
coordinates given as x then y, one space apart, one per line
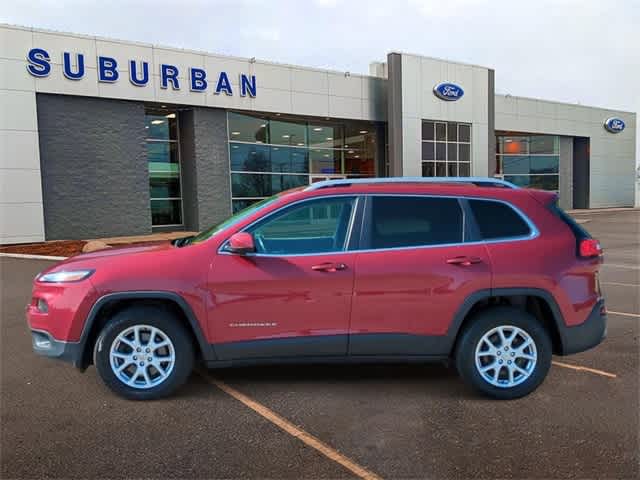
101 137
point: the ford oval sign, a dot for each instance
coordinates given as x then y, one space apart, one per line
448 91
614 125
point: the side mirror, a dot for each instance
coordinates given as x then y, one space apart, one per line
241 243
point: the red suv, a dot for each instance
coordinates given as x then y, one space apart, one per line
474 270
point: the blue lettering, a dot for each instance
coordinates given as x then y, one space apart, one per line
224 84
107 69
67 66
169 73
39 65
133 73
198 82
247 84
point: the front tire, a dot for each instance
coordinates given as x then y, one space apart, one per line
504 353
144 353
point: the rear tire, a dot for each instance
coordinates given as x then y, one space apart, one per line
144 353
503 353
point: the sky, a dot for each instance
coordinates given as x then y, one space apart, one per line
579 51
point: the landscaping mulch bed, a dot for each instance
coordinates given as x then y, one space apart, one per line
61 248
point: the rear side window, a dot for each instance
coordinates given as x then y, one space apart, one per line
414 221
497 220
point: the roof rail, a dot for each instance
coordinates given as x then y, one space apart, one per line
477 181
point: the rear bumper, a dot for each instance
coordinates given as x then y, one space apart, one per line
44 344
588 334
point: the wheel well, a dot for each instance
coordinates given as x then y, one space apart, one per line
112 307
532 304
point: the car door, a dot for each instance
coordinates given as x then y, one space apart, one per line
413 275
293 296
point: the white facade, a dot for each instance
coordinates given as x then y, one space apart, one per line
612 156
288 89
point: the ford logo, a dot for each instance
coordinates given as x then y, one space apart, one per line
448 91
614 125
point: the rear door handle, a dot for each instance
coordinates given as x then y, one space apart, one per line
463 261
328 267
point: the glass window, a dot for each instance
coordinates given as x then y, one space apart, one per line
544 144
498 220
288 133
427 131
326 161
325 136
464 133
529 161
464 152
464 169
161 126
428 151
452 146
246 128
315 226
163 159
428 169
166 212
250 157
414 221
260 185
452 132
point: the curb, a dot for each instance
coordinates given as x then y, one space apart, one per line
31 257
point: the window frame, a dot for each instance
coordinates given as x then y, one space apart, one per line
352 237
470 234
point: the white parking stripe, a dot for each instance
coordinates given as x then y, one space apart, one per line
624 314
637 285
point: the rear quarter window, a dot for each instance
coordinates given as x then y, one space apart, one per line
497 220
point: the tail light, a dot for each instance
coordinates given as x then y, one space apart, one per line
589 247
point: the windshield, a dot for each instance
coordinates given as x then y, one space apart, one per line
232 220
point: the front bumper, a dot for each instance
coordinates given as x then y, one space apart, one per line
588 334
44 344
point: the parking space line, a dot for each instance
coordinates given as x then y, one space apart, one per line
292 430
584 369
624 314
621 284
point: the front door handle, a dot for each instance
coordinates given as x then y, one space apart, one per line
328 267
463 261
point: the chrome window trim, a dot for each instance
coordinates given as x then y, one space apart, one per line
222 249
535 233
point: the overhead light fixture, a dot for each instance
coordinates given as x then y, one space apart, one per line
171 115
235 133
301 144
263 125
329 138
157 122
364 131
357 156
276 148
326 155
346 146
163 106
350 151
234 146
146 126
258 141
317 129
286 136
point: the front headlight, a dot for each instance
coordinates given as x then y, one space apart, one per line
65 276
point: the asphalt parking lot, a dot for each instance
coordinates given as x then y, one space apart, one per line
389 421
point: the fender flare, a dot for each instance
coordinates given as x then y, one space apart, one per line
206 349
475 297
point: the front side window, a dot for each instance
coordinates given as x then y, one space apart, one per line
315 226
498 220
414 221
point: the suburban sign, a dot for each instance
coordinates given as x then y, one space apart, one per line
614 124
448 91
109 71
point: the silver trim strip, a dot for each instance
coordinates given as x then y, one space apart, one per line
386 180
